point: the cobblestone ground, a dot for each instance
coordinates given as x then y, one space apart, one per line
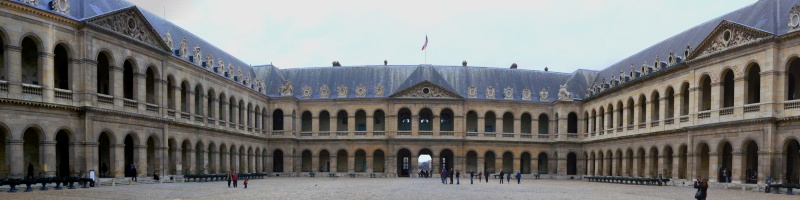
392 188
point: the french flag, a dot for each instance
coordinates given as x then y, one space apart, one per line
426 43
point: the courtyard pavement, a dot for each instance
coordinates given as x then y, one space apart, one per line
389 188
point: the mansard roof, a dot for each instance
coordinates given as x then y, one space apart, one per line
396 78
769 16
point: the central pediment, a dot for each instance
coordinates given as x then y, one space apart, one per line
425 90
728 35
130 23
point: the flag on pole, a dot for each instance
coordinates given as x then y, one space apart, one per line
426 43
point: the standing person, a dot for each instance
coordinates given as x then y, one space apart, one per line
508 178
30 170
104 170
471 175
443 176
229 178
501 176
451 175
235 179
724 173
519 176
728 175
245 183
702 188
486 174
458 177
133 173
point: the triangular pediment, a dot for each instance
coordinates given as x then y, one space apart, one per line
425 90
130 22
728 35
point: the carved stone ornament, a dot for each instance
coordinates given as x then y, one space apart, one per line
472 92
184 49
286 89
341 91
729 35
736 72
221 66
263 84
379 90
209 61
508 93
239 74
247 80
588 92
361 91
563 94
32 2
324 92
60 6
198 56
526 94
231 70
794 19
306 91
544 94
130 23
168 39
426 90
490 92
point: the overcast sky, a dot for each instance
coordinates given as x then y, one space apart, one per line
563 35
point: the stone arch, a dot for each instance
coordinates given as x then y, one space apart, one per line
489 161
378 121
725 160
472 121
360 160
213 160
131 156
404 120
791 166
490 120
727 78
305 160
702 156
572 122
684 98
361 120
342 121
543 161
30 59
508 122
341 160
378 161
129 80
62 54
277 160
446 122
525 162
654 165
152 153
151 87
277 120
792 78
544 124
705 92
186 148
750 163
185 95
752 90
508 162
403 162
223 153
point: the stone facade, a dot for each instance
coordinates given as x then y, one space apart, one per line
731 103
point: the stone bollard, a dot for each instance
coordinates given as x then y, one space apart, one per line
58 185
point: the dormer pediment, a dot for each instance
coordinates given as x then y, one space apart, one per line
425 90
130 23
728 35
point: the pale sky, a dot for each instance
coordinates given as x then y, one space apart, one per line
563 35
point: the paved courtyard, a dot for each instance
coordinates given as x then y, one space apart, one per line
392 188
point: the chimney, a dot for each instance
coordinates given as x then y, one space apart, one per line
464 63
545 68
385 62
336 64
513 65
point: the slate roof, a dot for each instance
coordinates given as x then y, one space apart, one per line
768 15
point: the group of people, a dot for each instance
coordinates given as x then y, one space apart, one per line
233 177
445 174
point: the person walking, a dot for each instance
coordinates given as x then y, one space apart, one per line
451 175
508 178
486 174
501 176
471 175
702 188
444 176
458 177
235 179
518 176
30 170
133 173
245 183
229 178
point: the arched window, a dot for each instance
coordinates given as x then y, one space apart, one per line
572 123
425 120
631 107
705 93
670 102
526 121
655 105
620 110
2 59
793 79
378 121
446 120
610 118
150 86
103 75
341 121
30 62
128 80
198 99
324 121
277 120
361 120
753 89
185 96
586 121
685 99
61 72
594 121
210 104
727 88
404 120
544 124
642 109
508 123
472 121
305 121
171 93
490 121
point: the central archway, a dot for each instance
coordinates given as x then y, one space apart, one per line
324 161
403 163
277 161
63 154
446 160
